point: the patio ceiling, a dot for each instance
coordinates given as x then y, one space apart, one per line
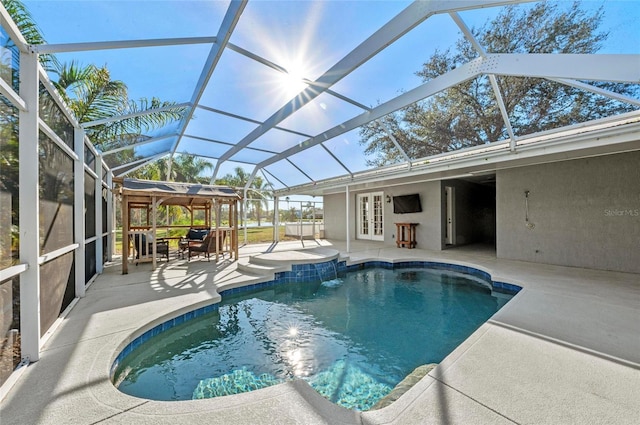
281 89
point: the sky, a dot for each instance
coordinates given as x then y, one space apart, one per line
305 37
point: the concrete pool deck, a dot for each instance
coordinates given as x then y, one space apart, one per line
565 350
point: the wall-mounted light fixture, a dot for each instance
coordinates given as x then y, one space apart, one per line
388 199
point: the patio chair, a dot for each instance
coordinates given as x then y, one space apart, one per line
193 236
207 246
196 234
143 248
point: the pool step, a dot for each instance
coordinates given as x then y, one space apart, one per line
405 385
237 278
264 266
250 266
299 256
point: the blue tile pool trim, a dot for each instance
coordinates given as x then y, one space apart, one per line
501 287
312 273
158 329
299 273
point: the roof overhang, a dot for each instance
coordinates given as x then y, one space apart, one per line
596 138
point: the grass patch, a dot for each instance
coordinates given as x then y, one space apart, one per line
254 235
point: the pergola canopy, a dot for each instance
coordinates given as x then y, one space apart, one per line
282 89
173 193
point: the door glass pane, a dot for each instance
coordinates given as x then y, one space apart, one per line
377 215
364 215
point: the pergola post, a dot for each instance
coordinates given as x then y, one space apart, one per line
154 210
125 234
235 227
218 207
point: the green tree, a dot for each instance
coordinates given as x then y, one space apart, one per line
188 168
290 215
468 115
238 179
28 28
92 95
258 188
184 168
261 189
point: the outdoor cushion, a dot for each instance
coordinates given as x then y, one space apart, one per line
197 234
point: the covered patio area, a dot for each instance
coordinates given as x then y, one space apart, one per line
551 355
149 195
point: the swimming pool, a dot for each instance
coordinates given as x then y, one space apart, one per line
352 339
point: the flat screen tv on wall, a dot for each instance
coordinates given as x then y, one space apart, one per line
407 204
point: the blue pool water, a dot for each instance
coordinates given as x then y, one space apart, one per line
352 339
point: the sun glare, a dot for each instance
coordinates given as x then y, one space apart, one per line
292 82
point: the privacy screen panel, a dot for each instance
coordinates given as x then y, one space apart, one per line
89 206
57 289
9 235
90 260
9 327
56 196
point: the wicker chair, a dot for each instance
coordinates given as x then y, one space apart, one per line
207 246
144 248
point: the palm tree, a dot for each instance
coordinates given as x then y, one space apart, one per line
188 168
29 29
258 187
184 168
92 95
238 180
261 188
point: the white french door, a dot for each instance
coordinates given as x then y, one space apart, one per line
370 216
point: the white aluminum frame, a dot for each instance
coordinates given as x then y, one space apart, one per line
29 209
568 69
30 124
564 69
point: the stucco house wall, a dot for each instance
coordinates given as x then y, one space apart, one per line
582 213
335 223
428 232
